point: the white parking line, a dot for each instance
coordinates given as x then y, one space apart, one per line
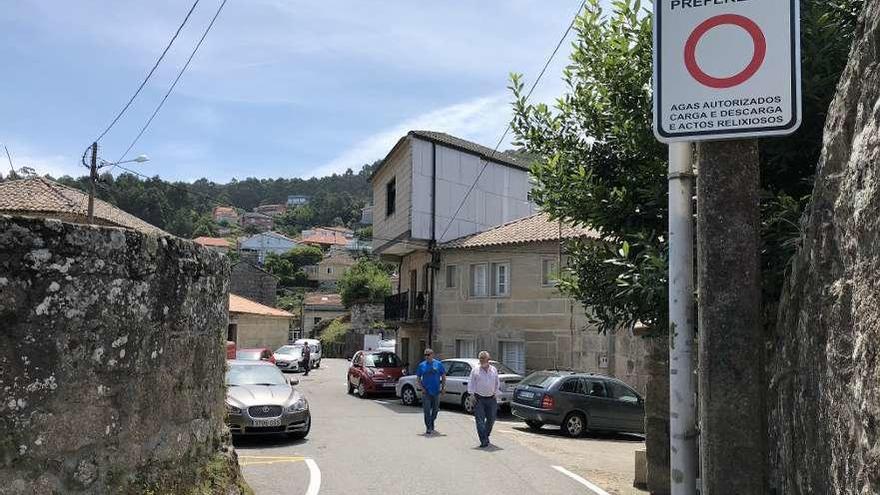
382 402
314 477
595 489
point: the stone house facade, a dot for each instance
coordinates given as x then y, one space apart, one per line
254 325
252 282
330 269
319 307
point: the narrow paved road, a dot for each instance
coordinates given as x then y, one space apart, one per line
377 446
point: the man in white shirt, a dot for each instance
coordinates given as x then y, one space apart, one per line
483 386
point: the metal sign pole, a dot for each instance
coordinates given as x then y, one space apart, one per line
682 389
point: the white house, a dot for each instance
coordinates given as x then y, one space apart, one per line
267 242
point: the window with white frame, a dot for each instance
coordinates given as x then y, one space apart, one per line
480 280
465 348
549 271
513 354
500 279
451 276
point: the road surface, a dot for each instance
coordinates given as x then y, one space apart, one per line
377 446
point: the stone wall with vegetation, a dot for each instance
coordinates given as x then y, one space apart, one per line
111 362
825 365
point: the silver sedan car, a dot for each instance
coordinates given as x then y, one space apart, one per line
458 371
260 400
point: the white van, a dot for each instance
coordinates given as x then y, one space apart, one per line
315 347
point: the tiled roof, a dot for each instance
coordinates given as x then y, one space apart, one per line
43 197
323 300
535 228
238 304
471 147
212 241
325 237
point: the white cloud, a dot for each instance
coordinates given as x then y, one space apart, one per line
481 120
56 165
475 120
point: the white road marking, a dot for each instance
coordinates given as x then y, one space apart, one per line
595 489
314 477
382 402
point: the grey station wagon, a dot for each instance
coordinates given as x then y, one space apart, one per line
578 402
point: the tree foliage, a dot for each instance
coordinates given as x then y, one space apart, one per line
288 267
178 207
366 281
597 163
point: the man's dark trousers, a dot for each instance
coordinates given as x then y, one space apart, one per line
485 411
431 406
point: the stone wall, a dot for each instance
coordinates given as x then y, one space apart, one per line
365 317
111 360
251 282
824 369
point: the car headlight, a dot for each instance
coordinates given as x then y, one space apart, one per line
299 405
232 409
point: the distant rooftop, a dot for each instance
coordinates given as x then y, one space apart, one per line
42 197
238 304
212 242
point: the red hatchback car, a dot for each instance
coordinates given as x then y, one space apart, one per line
256 354
374 372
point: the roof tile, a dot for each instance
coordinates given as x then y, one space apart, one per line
535 228
238 304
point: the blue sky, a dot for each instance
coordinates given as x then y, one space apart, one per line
281 88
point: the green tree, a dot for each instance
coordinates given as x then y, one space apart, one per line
204 227
366 281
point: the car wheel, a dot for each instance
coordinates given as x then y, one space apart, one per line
318 363
575 425
362 391
468 403
299 435
534 425
408 396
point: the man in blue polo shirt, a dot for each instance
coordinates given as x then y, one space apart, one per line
432 380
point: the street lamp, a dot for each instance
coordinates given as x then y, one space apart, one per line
93 174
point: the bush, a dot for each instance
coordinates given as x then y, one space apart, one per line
366 281
334 333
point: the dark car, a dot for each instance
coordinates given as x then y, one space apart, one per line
578 402
374 372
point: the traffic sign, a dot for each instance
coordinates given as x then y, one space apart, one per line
726 69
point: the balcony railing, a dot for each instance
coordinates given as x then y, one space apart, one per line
407 306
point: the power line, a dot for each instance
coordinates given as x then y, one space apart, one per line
9 157
176 79
149 74
507 129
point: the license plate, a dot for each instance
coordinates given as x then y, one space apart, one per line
267 422
527 395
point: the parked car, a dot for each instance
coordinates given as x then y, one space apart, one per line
315 346
578 402
260 400
374 372
255 354
458 371
288 357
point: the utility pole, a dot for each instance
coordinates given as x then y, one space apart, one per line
682 386
93 178
733 443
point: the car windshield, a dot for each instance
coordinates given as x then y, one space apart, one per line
383 360
289 349
248 355
246 374
502 368
540 380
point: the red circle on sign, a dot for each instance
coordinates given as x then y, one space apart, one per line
690 51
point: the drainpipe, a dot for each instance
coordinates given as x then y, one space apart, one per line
432 246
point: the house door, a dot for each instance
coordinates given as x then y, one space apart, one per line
232 332
413 291
513 354
403 351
